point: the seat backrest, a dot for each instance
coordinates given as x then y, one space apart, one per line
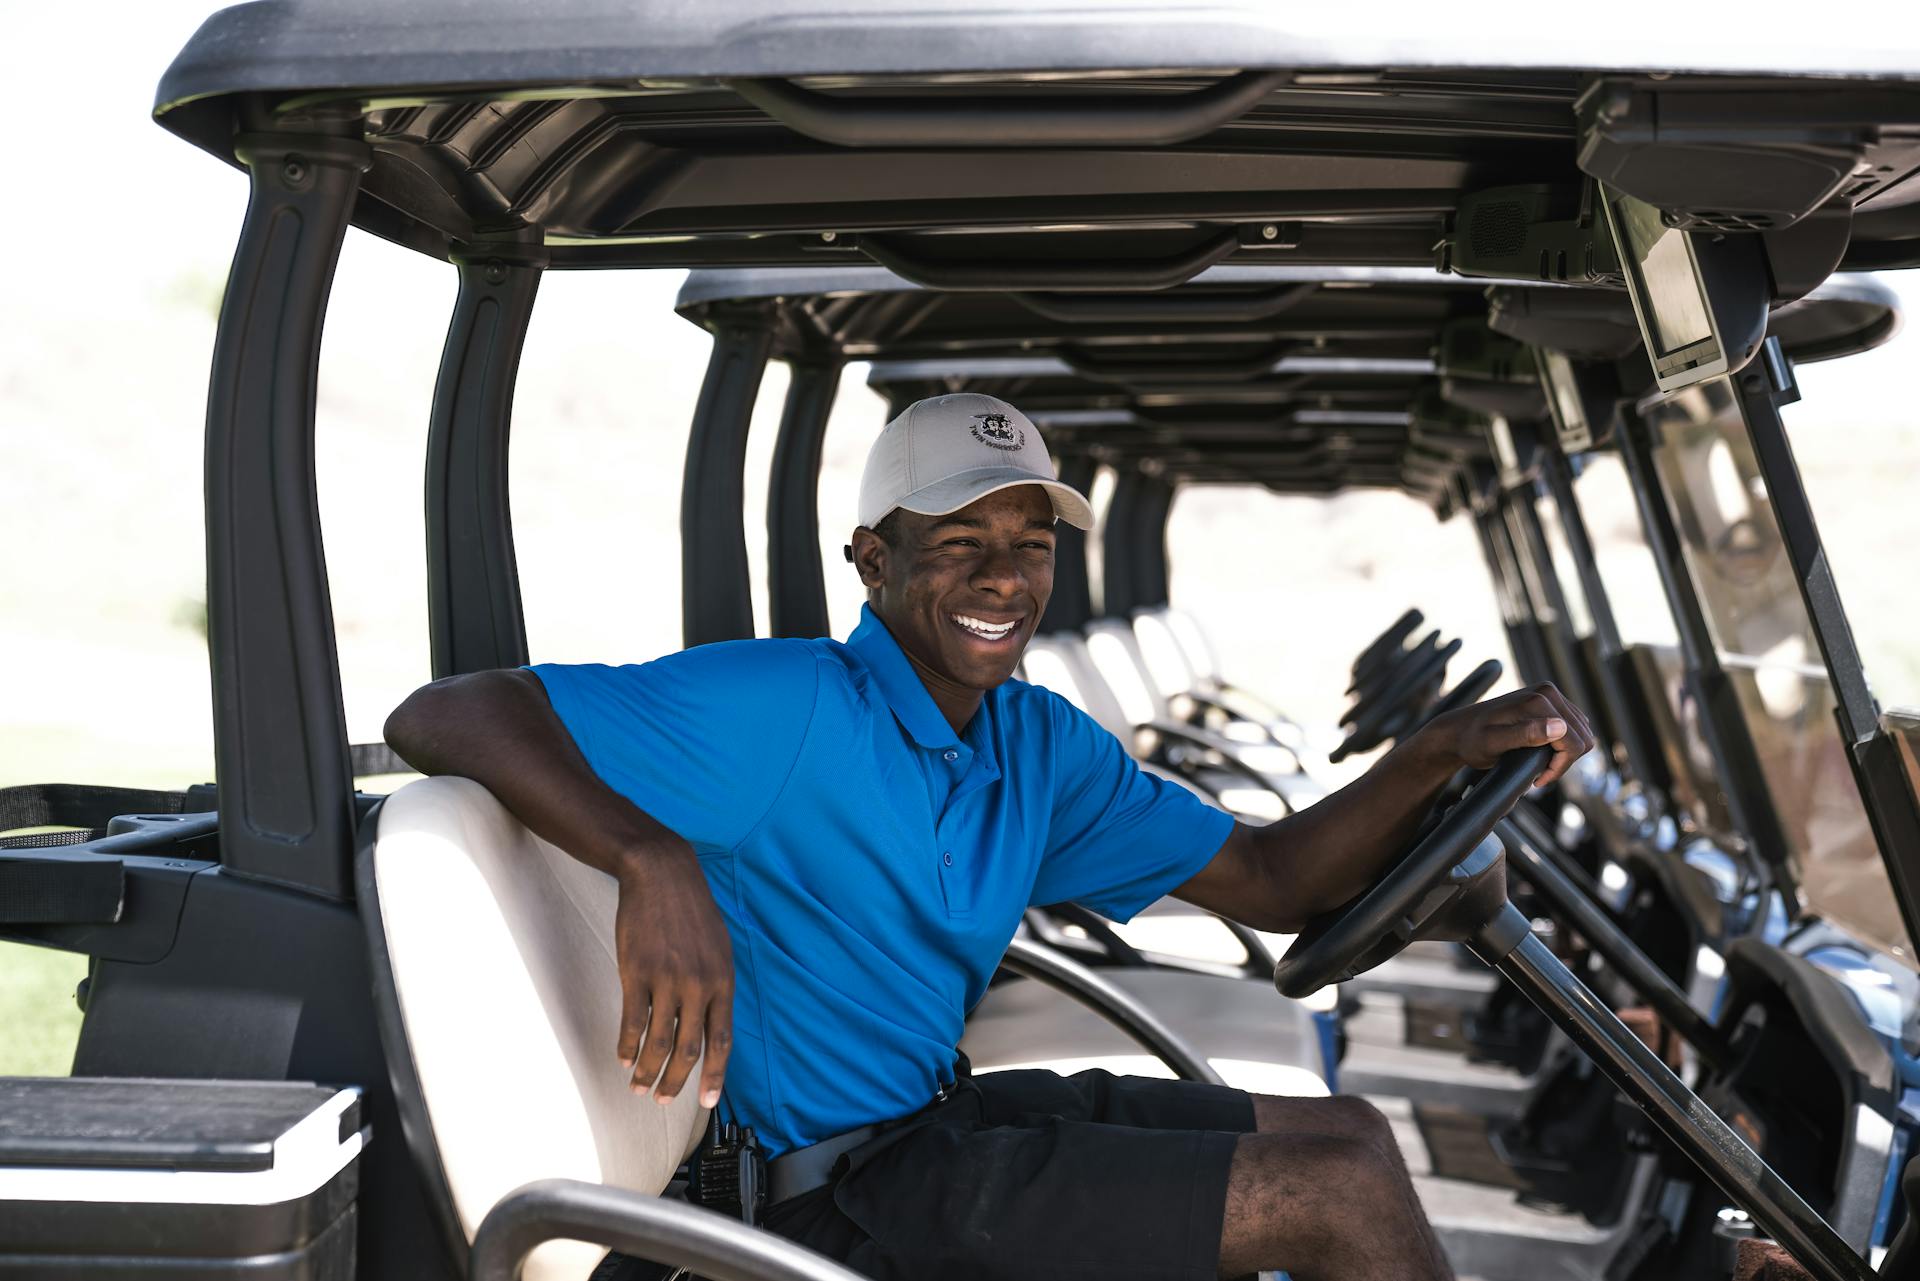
1116 655
1193 643
1160 650
499 1003
1059 662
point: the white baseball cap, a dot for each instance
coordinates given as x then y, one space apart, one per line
945 452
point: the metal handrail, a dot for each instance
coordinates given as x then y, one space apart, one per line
1538 867
647 1227
1044 965
1720 1153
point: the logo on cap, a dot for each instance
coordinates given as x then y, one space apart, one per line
997 431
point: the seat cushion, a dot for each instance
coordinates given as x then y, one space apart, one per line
502 960
1255 1038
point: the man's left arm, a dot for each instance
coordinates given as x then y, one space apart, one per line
1280 876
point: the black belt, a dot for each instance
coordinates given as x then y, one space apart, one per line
804 1169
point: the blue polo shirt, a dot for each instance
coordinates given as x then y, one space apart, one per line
871 862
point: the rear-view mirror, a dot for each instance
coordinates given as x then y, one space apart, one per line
1701 297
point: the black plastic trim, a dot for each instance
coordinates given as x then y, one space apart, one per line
1000 275
474 615
796 581
716 594
280 737
1173 308
1826 1012
1071 606
1063 121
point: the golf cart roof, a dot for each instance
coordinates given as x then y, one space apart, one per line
955 143
1374 314
281 45
1305 379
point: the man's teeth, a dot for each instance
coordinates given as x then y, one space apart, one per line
983 629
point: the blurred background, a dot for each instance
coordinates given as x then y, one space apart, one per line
119 238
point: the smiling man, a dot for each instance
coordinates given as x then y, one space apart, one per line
823 850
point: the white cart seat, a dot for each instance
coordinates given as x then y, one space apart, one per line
494 965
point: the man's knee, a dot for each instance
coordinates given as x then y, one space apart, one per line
1321 1204
1339 1177
1345 1115
1305 1196
1362 1119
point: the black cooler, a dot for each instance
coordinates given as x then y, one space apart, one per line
114 1179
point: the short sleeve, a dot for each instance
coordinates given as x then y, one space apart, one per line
1120 838
702 740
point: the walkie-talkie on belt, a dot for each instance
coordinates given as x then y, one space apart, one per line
729 1172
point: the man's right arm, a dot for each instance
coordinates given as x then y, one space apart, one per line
676 963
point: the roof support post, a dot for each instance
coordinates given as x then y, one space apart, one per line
280 737
1530 541
1151 573
1618 692
1071 605
796 582
1723 727
474 617
1119 547
1885 789
716 596
1523 635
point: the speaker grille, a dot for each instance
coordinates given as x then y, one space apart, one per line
1499 228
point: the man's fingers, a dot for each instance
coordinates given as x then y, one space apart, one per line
633 1026
1577 741
719 1045
1562 758
1538 733
1540 717
1497 740
688 1037
1578 719
1573 716
656 1045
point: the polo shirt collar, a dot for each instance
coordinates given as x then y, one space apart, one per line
900 685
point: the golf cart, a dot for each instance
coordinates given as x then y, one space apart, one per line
1534 1132
280 926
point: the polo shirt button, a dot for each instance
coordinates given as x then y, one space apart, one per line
951 755
947 859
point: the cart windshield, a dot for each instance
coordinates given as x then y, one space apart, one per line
1766 643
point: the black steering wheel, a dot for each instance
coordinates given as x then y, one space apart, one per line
1465 694
1383 645
1403 691
1452 882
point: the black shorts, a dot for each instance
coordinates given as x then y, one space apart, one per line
1028 1174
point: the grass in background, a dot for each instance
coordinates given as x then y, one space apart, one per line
37 1012
39 1022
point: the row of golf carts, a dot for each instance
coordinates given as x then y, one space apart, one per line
1658 1021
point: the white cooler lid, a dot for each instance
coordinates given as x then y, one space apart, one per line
172 1141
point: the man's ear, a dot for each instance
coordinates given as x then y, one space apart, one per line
868 552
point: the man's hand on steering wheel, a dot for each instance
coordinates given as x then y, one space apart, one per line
1542 716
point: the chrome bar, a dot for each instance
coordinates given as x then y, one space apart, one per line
1692 1126
1072 979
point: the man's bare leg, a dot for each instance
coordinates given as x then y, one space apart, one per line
1322 1191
